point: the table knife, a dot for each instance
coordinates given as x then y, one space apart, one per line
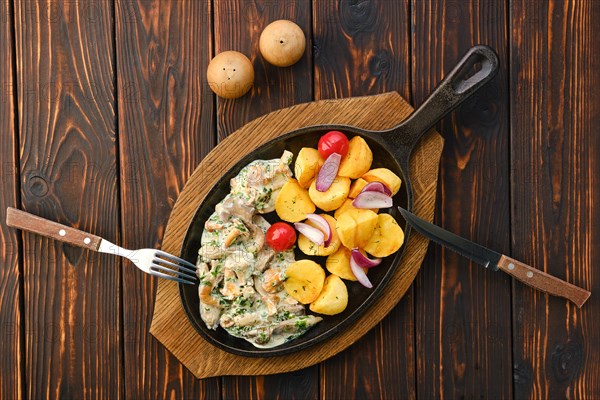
494 260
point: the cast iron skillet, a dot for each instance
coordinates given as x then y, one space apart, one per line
391 149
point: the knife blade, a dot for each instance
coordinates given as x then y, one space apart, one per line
466 248
494 260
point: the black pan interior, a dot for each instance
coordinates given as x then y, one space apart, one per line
359 297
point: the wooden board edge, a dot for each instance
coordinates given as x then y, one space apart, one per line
180 328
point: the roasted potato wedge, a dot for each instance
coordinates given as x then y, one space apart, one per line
387 237
307 166
385 176
339 264
356 187
334 196
348 206
293 202
333 299
311 249
358 160
355 227
304 280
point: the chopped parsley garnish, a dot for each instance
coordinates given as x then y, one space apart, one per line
300 323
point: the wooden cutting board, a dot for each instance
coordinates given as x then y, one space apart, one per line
170 325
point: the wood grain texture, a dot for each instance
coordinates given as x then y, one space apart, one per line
463 311
166 126
238 25
362 48
302 384
540 280
66 109
11 317
25 221
70 109
555 148
170 324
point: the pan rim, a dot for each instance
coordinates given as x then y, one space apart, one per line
289 347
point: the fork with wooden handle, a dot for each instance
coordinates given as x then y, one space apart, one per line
151 261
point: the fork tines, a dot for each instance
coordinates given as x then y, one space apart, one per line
165 264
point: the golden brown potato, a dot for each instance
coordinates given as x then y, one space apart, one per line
307 166
311 249
358 160
334 196
304 280
348 206
385 176
387 237
339 263
230 74
293 202
355 227
333 298
356 187
282 43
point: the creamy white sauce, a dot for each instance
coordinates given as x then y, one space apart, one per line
241 278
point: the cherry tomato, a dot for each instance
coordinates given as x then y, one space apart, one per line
281 236
333 142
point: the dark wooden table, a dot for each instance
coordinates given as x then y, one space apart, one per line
106 111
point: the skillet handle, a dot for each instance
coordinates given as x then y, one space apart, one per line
452 91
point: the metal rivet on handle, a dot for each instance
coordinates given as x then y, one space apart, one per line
87 240
511 266
62 232
529 274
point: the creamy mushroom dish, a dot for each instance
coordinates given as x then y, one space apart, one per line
241 278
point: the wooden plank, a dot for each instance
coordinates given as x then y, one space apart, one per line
68 174
555 114
463 313
302 384
11 326
166 126
238 25
362 48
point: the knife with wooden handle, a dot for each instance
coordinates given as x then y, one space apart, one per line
491 259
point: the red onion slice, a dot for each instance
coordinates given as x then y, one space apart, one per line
364 261
313 234
328 172
377 187
323 225
372 200
360 274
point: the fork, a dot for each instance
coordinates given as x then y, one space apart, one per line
151 261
